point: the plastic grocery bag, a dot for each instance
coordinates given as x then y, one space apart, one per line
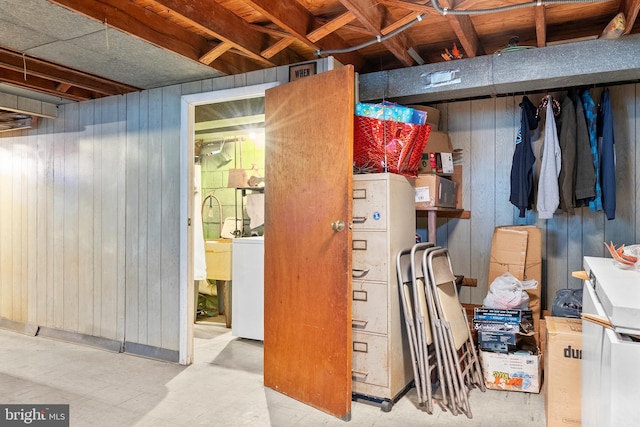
508 293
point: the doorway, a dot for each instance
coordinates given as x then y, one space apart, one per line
220 130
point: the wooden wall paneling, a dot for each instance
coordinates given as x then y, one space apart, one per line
43 220
20 288
170 256
455 119
141 164
623 107
109 191
31 214
507 118
6 216
483 158
98 179
191 88
70 221
154 222
121 219
636 175
56 319
15 234
132 222
86 243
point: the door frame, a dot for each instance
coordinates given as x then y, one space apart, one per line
187 119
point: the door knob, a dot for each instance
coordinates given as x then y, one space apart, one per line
337 225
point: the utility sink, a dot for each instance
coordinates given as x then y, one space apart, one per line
218 258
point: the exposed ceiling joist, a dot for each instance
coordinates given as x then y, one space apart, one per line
298 21
464 29
375 17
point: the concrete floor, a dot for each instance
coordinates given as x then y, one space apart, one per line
222 388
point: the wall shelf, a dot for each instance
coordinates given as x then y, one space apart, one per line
434 212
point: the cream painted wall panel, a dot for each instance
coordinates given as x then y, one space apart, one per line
154 220
70 305
141 165
483 189
55 308
170 256
86 232
6 259
17 211
31 239
455 119
132 218
635 179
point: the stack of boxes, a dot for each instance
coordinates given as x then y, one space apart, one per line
439 181
517 365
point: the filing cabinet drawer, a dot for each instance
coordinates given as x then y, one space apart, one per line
369 307
370 359
368 256
369 205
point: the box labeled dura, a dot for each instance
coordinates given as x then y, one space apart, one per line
563 375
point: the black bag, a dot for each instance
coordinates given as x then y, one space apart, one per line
568 303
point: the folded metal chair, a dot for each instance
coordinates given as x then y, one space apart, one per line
459 350
405 291
425 342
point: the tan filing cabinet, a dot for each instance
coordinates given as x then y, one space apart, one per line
383 224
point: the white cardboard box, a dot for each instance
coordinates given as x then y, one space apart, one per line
513 372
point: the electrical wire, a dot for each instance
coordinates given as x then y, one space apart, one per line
378 39
447 11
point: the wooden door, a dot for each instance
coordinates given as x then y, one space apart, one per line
308 170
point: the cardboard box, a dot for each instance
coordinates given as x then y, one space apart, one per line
563 371
435 191
518 250
438 163
433 114
457 178
438 142
512 372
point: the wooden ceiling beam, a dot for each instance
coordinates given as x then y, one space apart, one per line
465 31
541 25
146 25
222 24
298 21
375 17
46 86
414 7
330 26
20 63
630 9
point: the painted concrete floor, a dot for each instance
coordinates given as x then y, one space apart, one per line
222 388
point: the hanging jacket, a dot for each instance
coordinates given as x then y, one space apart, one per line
521 195
591 114
607 156
585 172
550 164
567 140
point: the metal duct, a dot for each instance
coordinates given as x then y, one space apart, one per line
553 67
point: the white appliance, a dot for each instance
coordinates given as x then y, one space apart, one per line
610 369
247 291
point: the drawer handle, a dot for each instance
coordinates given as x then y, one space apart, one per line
355 323
358 375
359 219
358 274
359 193
361 347
359 295
358 245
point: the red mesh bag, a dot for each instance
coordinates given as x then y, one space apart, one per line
388 146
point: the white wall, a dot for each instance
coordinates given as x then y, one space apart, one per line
89 217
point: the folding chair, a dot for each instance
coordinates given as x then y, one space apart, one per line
403 268
460 351
427 353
